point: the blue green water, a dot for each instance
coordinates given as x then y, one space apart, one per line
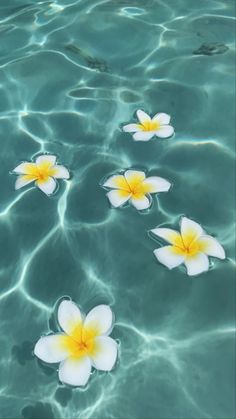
71 72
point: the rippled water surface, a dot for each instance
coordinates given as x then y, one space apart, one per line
70 74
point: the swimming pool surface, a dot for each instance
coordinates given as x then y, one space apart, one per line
71 74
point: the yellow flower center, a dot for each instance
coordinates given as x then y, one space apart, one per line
39 172
149 125
134 186
81 341
188 245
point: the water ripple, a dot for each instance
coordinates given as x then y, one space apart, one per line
71 73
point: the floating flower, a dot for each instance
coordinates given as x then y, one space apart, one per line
43 172
149 127
133 186
191 246
83 343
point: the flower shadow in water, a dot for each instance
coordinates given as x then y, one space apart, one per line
38 411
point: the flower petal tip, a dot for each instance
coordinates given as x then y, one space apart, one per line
197 265
141 204
131 128
48 187
106 357
165 257
61 172
165 131
68 314
143 136
104 318
49 349
75 372
116 199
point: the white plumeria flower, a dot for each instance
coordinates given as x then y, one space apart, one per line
133 186
83 343
43 172
191 246
149 127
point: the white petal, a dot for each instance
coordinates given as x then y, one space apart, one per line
116 198
134 176
143 135
49 349
131 128
47 187
212 247
158 184
197 264
75 372
106 353
190 228
143 116
22 168
141 204
61 172
69 316
167 234
21 181
116 182
168 257
165 131
162 118
46 158
100 318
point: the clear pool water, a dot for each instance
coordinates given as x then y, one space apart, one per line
71 72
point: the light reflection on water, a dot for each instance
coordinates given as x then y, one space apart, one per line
71 73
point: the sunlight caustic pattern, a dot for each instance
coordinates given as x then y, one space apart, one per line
84 343
135 187
71 102
191 246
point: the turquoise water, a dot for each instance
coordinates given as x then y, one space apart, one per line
71 72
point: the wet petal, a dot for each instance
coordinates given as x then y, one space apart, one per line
100 318
134 176
212 247
46 158
118 197
131 128
61 172
165 131
143 136
106 353
69 316
75 372
157 184
47 187
50 349
167 234
117 182
142 203
24 168
22 181
167 256
197 264
162 118
190 230
142 116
